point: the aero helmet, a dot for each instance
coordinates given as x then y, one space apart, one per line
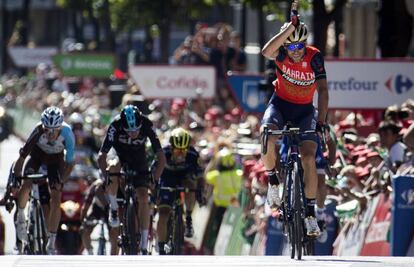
52 117
131 118
180 138
299 35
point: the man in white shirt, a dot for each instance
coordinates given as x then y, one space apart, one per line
390 139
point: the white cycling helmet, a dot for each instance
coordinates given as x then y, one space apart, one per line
52 117
299 35
76 118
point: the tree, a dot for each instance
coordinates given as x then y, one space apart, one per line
321 20
395 30
265 7
128 15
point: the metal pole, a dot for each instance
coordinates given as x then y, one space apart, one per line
2 36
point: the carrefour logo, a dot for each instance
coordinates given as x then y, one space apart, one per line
408 196
399 84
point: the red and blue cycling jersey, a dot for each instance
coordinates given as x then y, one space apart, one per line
296 80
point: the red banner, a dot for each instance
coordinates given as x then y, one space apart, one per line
376 240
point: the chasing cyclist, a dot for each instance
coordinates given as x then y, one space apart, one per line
127 134
300 72
182 170
52 144
95 208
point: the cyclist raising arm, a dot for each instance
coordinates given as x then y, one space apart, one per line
127 134
300 72
46 145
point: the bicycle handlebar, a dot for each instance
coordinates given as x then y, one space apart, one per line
130 173
290 132
179 189
37 176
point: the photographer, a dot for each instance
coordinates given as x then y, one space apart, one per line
390 139
396 114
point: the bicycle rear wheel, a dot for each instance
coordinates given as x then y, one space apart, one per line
130 228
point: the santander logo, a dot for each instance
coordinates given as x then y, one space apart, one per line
164 82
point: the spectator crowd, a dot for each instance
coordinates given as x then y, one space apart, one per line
364 164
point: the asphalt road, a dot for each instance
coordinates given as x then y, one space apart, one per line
183 261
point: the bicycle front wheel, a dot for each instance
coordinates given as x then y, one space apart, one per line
131 229
298 229
102 241
41 233
178 232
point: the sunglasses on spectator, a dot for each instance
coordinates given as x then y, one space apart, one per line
292 47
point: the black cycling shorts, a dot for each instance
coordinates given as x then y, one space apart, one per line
54 162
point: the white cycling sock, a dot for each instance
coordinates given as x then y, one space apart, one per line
52 239
112 202
20 214
144 239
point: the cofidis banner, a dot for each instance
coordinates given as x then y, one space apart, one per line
163 81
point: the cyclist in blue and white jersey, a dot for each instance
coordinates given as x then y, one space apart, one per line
52 144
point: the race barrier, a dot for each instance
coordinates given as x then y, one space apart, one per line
402 215
275 237
324 247
377 237
24 120
230 240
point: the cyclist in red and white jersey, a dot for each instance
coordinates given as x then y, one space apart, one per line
300 72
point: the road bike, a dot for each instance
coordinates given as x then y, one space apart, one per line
36 223
175 228
130 236
293 197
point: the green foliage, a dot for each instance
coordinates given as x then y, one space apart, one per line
276 7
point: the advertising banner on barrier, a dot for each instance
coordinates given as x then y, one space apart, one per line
376 241
275 237
30 57
352 84
163 81
324 246
246 90
230 240
351 238
402 215
95 65
369 84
